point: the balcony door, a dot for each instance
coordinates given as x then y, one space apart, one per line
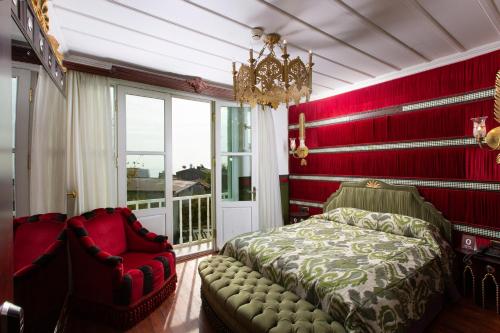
236 167
144 157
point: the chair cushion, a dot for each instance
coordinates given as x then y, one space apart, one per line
256 303
31 240
108 232
143 274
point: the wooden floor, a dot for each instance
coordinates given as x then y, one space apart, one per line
182 313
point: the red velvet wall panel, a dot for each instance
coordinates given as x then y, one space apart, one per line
464 76
464 163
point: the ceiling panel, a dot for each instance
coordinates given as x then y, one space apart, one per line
474 28
354 41
337 20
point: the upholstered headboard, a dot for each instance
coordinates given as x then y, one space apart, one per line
377 196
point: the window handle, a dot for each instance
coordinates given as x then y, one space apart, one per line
254 194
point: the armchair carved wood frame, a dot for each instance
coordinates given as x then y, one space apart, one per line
121 272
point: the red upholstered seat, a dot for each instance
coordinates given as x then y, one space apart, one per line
121 271
40 269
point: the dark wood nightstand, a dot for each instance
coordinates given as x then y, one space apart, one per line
296 217
479 278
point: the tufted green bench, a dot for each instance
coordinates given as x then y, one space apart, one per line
245 301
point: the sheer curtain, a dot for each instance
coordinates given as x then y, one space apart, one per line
48 148
270 214
91 158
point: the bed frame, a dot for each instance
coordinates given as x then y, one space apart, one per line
377 196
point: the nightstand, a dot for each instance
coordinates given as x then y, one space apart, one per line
480 278
296 217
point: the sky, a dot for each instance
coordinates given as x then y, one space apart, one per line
191 139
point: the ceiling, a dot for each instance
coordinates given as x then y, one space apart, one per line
355 42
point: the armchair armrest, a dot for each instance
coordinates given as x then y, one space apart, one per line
45 258
96 273
139 239
52 250
76 225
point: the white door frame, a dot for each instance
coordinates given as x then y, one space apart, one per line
167 211
22 139
219 203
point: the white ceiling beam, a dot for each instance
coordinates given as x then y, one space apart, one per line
449 37
326 34
289 43
210 36
380 29
92 17
491 11
161 54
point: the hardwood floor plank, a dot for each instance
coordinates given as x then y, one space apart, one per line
182 313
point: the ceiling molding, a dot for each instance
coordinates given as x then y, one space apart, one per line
457 57
449 37
380 29
289 43
166 80
96 62
326 34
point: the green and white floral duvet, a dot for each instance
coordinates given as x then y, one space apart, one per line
374 272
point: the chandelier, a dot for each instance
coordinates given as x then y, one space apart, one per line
270 81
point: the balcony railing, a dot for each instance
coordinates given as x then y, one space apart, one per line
200 232
192 218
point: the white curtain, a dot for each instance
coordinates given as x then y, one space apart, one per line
270 214
48 148
91 157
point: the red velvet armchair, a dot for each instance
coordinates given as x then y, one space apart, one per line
121 271
41 269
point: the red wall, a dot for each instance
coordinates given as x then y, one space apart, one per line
464 163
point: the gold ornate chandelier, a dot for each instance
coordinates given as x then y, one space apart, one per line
270 81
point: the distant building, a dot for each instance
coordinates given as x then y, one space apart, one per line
194 173
140 186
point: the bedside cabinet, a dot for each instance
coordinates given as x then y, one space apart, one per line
296 217
480 278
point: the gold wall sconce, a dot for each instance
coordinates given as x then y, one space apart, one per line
491 138
301 151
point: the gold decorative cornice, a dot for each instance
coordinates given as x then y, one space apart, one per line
42 14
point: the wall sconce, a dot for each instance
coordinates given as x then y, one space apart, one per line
302 151
491 138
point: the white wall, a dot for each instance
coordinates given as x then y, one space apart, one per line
280 117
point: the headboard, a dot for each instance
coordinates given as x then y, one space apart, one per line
375 195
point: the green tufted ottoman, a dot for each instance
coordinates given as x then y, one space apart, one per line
245 301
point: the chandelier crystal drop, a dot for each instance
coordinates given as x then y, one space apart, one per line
269 81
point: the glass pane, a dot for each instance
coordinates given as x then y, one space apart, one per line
145 123
236 129
145 181
191 147
236 178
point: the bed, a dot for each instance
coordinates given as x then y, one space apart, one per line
377 259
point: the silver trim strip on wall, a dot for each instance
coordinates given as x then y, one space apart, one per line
306 203
461 185
460 142
469 229
463 98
